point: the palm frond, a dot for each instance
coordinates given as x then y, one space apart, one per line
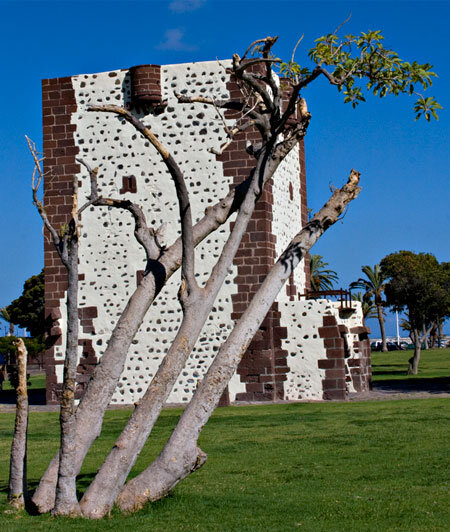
321 277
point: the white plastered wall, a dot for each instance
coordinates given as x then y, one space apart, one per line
287 213
305 347
109 253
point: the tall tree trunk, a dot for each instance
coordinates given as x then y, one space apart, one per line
418 340
18 465
439 332
425 337
181 455
382 329
66 502
433 334
102 492
414 360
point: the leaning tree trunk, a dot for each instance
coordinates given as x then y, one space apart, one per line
382 328
103 491
18 466
90 412
414 360
181 455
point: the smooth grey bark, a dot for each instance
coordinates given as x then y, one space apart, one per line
66 502
66 243
181 454
90 411
17 490
413 368
103 491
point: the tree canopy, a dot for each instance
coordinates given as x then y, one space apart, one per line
419 284
27 311
358 62
373 286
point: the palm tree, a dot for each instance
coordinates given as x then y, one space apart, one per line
368 308
373 286
321 278
4 314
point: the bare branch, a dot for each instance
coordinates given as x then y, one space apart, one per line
256 61
232 105
295 47
35 188
258 119
251 81
180 185
148 134
144 235
266 40
342 23
231 134
93 174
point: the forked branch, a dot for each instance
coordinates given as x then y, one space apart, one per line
188 262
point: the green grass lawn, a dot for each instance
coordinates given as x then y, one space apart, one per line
372 466
35 382
389 370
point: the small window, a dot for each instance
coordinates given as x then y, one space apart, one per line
128 184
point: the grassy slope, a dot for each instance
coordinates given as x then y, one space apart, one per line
377 466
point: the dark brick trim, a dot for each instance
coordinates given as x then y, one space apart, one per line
334 384
304 209
146 84
87 364
58 104
87 315
263 367
361 367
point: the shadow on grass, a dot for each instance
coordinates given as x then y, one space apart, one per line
30 507
395 372
414 384
35 397
83 483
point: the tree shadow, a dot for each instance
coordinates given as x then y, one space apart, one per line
394 372
83 482
30 507
433 385
35 397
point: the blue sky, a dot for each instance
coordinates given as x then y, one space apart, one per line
404 164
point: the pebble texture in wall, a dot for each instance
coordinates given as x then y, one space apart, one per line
283 360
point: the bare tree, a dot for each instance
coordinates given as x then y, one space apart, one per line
181 455
63 498
263 108
18 465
